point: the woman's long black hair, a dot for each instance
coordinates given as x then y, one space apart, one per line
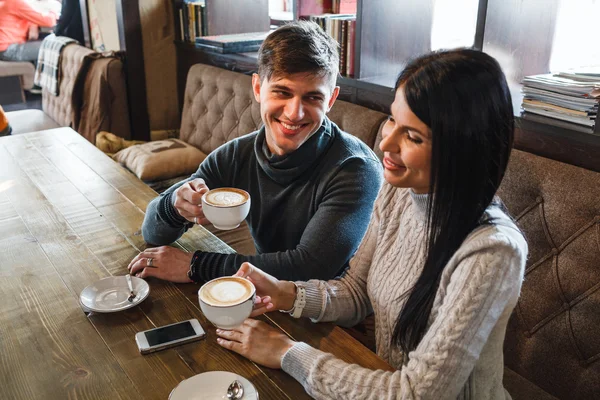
463 97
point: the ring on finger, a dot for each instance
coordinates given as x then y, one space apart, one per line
149 261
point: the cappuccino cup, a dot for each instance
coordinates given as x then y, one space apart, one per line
227 301
226 208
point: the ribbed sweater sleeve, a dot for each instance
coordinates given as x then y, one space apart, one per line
478 290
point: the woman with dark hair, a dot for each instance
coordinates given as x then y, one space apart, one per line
441 263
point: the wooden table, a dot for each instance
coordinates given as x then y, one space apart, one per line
69 216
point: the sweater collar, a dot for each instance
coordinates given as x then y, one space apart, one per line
288 167
419 203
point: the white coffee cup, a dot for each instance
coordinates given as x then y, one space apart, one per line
226 208
227 301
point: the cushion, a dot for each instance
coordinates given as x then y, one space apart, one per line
25 121
161 159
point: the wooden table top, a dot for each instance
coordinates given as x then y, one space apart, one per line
69 216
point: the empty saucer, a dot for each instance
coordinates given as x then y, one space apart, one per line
110 294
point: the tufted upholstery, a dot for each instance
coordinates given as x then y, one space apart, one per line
218 106
59 107
553 338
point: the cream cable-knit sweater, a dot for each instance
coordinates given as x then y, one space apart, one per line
460 355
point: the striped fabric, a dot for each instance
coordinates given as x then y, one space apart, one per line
47 73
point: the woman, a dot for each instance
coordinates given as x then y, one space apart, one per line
441 263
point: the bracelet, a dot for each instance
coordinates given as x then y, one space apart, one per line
296 310
193 274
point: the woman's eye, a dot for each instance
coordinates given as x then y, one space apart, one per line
414 139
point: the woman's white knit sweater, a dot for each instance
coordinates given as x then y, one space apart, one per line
460 355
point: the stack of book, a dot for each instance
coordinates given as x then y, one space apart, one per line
566 99
341 27
232 43
192 20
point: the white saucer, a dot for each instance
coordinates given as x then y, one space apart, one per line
211 386
110 294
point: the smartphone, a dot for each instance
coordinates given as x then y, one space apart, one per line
167 336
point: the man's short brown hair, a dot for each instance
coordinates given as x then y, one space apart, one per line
300 46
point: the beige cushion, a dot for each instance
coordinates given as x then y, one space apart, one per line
162 159
25 121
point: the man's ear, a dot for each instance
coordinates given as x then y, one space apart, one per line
256 86
334 96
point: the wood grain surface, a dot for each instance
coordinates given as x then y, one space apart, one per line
69 216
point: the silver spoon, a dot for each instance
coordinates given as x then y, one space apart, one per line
131 292
235 391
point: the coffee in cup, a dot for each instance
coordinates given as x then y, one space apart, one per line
226 197
227 301
226 207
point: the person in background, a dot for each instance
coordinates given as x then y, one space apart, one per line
19 20
69 24
441 264
312 185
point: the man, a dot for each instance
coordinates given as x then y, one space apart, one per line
18 22
312 185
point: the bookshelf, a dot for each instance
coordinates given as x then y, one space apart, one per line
385 47
225 16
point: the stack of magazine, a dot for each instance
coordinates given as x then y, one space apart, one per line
566 99
232 43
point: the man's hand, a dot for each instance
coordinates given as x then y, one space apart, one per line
256 341
271 293
166 263
187 200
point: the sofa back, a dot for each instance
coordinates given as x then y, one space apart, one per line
96 87
60 107
219 105
553 337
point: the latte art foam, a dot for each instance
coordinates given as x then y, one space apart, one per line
224 197
226 292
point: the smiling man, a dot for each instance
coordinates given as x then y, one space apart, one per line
312 185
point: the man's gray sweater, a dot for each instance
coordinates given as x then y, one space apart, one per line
310 208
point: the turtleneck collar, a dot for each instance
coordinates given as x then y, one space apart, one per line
286 168
420 203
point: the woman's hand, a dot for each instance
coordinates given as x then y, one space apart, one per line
256 341
164 262
271 293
